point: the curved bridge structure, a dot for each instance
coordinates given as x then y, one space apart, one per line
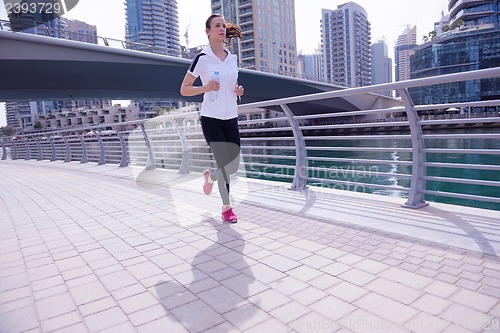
38 67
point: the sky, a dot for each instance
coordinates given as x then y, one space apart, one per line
388 19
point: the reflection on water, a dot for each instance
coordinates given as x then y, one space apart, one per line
388 173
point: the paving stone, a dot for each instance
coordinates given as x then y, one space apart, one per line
137 302
197 316
105 319
474 300
364 322
332 307
289 312
89 292
55 306
386 308
394 290
431 304
62 321
466 317
19 320
269 299
246 316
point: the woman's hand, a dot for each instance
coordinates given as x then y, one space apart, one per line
239 90
212 85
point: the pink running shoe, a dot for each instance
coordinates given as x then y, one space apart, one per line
207 187
229 216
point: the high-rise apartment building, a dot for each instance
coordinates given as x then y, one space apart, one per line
155 23
471 44
310 66
381 64
268 28
346 41
405 47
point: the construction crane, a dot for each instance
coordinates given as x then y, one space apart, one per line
186 35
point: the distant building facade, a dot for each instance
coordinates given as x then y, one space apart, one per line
86 117
154 23
381 65
346 45
268 27
310 66
404 49
471 44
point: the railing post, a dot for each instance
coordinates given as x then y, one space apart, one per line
124 159
184 168
417 186
150 164
14 149
84 148
301 162
102 152
4 150
40 153
67 158
28 150
53 149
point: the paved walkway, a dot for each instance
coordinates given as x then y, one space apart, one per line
86 248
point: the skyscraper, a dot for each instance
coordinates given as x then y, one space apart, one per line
155 23
346 40
471 44
310 66
381 64
405 47
268 28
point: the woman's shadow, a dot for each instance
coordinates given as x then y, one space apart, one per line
216 287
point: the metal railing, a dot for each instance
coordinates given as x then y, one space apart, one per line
406 156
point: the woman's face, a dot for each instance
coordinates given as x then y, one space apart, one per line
217 31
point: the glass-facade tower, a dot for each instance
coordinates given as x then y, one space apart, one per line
381 65
472 44
155 23
346 44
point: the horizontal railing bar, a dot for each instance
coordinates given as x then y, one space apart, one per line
418 108
349 113
460 121
375 149
265 129
269 147
461 136
463 166
354 184
462 196
277 166
363 172
357 137
356 160
462 151
265 174
356 125
464 181
285 157
275 138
